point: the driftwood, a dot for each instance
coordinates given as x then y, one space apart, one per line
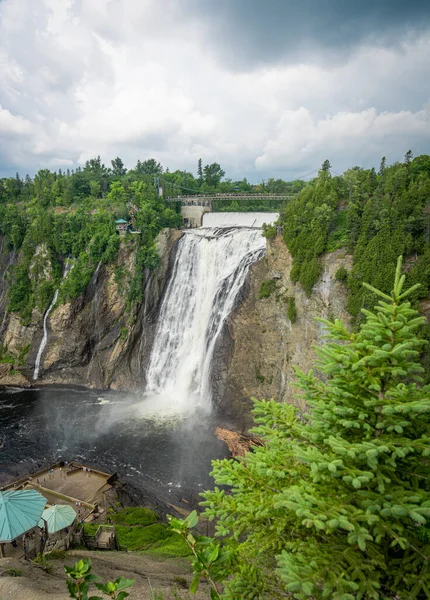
238 443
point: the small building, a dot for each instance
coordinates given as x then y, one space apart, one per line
122 226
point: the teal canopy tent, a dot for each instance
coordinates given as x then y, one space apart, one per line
58 517
20 510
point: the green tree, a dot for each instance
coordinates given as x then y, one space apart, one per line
117 193
213 174
326 166
118 168
335 505
148 167
408 157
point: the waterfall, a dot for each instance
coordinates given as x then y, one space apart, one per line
67 268
210 268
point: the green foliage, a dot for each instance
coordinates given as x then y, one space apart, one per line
210 559
135 516
80 579
375 216
41 560
90 528
12 572
258 376
336 503
56 555
292 311
269 231
21 297
14 357
155 538
266 289
342 274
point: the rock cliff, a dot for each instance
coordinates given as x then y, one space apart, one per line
93 340
262 343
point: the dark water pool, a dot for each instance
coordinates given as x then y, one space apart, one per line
170 455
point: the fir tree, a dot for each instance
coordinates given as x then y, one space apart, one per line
336 504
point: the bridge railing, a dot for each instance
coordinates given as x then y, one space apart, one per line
205 199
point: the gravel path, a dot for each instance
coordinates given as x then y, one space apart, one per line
151 575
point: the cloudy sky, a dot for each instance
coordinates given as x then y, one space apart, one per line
267 88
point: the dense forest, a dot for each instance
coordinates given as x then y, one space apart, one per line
376 216
73 213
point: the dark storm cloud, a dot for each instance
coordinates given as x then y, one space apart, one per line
248 33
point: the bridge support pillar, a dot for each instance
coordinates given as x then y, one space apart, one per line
193 215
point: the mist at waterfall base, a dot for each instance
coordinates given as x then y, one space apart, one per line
164 439
172 458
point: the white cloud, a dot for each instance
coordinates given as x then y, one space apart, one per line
300 135
11 124
135 79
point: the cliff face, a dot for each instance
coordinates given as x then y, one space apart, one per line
262 343
92 340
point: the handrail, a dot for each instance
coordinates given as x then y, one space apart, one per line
227 196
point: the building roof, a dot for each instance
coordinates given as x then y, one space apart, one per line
20 511
58 517
120 221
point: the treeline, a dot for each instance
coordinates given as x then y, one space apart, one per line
72 213
375 216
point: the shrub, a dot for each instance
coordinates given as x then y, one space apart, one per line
342 274
12 572
269 231
292 312
266 289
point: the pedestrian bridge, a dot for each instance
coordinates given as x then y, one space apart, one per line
194 207
207 199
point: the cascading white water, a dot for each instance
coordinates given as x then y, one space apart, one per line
67 268
210 269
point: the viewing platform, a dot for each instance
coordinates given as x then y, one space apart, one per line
73 484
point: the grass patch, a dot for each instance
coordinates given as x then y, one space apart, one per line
141 538
174 545
155 539
90 528
134 516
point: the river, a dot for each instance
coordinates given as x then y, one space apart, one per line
111 431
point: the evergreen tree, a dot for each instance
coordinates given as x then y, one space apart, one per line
382 166
326 166
336 504
118 168
408 157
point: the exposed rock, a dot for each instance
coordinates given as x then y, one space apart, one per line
93 340
264 344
